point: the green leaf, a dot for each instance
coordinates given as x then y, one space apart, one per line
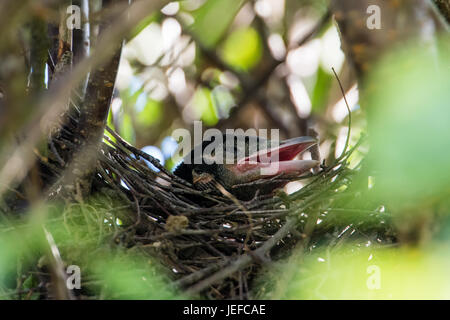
151 113
110 120
321 90
127 129
243 49
212 20
205 106
128 98
110 123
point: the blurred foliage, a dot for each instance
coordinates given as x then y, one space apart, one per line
131 276
321 90
217 13
360 272
204 105
150 114
407 170
82 234
249 54
143 24
407 103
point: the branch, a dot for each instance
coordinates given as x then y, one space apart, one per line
82 41
94 112
38 54
244 260
444 8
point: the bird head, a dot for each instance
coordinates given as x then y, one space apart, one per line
234 161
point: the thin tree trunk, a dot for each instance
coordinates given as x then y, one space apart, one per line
94 112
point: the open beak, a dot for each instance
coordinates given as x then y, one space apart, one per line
280 159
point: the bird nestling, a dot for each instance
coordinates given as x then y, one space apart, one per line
237 160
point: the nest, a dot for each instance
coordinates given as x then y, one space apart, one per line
217 250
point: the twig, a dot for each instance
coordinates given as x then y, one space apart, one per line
349 117
57 269
243 260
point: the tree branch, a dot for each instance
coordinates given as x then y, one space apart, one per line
48 109
444 8
94 112
245 259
